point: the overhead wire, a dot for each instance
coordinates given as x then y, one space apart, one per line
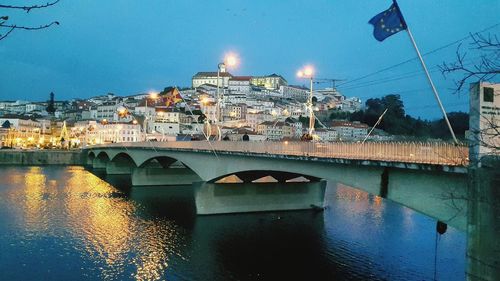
415 58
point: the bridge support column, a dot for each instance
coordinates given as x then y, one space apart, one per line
483 221
98 164
116 168
163 176
213 198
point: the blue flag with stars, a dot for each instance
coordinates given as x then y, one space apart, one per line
388 23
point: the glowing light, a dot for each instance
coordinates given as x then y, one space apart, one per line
231 60
309 71
306 72
153 95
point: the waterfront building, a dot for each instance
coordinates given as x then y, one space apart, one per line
116 132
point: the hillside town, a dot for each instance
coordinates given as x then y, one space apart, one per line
219 105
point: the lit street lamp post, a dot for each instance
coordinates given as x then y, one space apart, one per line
229 60
308 72
154 96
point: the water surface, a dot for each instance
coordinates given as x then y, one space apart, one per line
64 223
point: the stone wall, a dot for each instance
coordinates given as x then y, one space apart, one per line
41 157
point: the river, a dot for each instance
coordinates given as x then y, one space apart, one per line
65 223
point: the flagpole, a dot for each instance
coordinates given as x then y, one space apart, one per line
432 84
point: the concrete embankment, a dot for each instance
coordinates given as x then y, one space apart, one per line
41 157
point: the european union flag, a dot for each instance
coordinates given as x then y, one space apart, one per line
388 22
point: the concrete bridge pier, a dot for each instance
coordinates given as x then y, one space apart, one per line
99 163
163 176
223 198
116 168
483 221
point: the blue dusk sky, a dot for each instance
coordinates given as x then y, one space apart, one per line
128 47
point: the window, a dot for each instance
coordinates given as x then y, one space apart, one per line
488 94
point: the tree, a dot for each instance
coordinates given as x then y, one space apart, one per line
6 27
487 67
51 107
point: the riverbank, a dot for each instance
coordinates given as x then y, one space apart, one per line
41 157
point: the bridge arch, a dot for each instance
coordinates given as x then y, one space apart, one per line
157 161
123 158
263 176
121 163
100 161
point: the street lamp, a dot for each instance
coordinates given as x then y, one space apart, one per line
308 72
230 60
153 96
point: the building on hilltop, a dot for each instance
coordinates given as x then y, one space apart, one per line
202 78
271 82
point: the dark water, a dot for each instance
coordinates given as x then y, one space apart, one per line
64 223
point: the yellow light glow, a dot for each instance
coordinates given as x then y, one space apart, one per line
134 122
306 72
231 60
153 95
309 71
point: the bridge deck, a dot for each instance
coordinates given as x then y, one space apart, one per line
419 153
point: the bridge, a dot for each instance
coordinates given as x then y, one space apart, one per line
263 176
435 179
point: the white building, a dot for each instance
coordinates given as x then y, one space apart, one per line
164 128
106 111
113 133
239 84
35 106
275 130
271 82
299 93
210 110
202 78
254 119
484 119
167 115
236 111
351 104
350 130
326 134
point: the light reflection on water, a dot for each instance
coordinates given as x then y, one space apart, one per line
64 223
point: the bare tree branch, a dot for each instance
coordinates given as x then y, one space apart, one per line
488 66
29 7
30 27
11 27
6 34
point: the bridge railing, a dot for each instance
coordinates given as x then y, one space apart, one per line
407 152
